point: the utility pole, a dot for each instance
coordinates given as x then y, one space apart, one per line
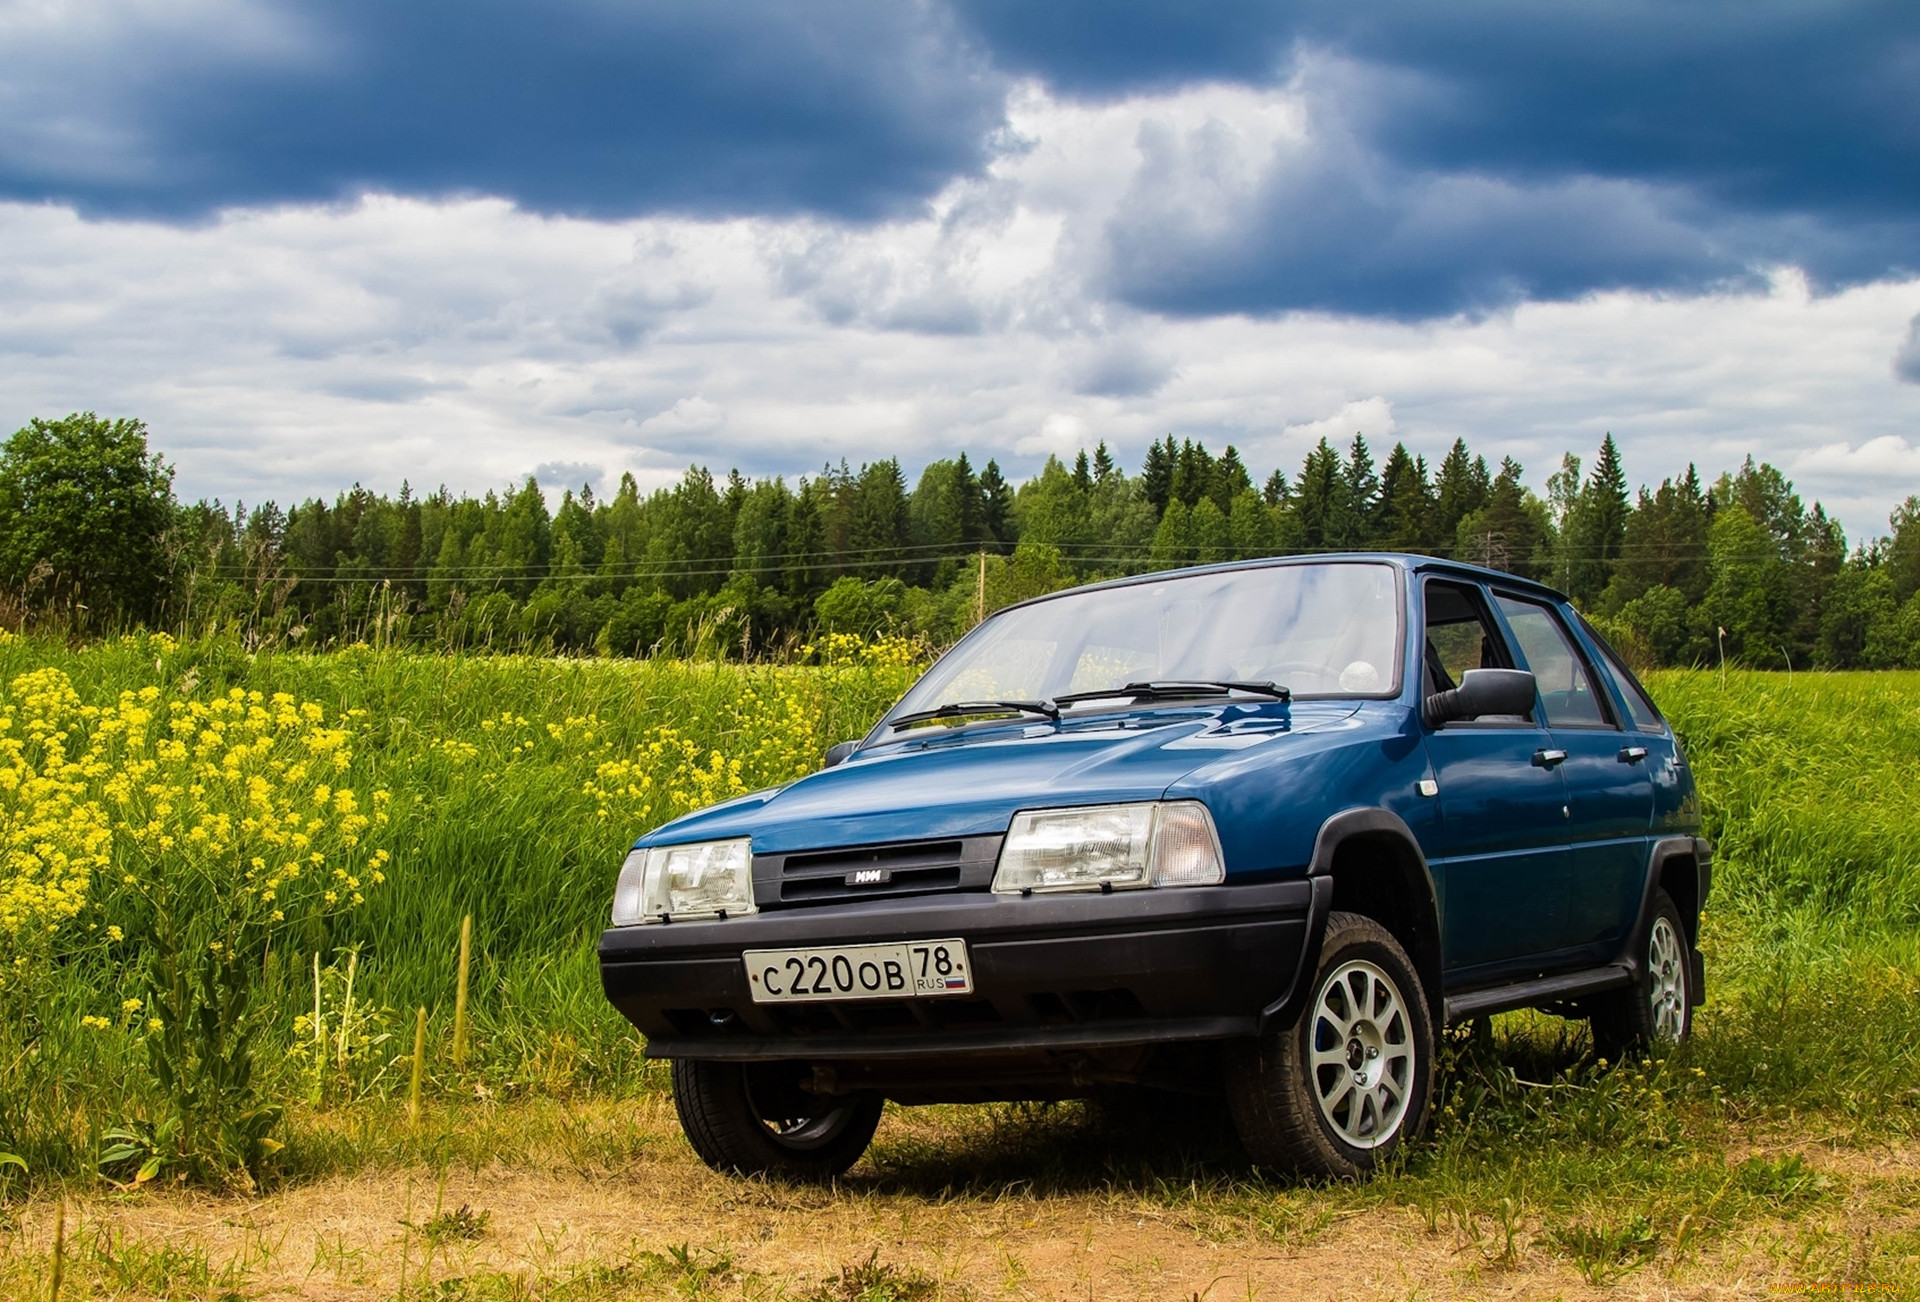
980 590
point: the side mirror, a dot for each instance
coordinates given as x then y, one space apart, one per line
1481 691
840 750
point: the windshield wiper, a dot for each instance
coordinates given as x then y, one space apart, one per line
1161 691
963 709
1178 689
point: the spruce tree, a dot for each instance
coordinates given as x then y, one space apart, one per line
410 557
996 507
973 506
1508 533
1230 479
1596 527
1103 466
880 531
803 573
1403 521
1460 489
1276 491
1156 476
834 486
1316 497
1193 473
1350 523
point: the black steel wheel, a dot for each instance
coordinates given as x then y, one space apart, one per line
756 1119
1348 1082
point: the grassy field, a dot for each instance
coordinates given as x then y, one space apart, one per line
1773 1147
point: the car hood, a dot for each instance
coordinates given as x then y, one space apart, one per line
971 782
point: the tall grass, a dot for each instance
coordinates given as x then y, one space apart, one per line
1811 793
1812 785
518 784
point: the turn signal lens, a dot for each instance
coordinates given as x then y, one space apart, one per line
627 906
1186 848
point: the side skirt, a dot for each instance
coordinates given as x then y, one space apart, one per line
1532 994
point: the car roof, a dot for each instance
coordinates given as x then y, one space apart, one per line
1408 561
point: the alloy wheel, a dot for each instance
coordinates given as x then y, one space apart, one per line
1667 981
1361 1054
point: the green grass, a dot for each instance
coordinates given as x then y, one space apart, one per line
491 761
1812 936
1810 794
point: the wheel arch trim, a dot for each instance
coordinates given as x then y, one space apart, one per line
1339 830
1699 852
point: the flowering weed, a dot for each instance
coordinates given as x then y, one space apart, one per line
163 841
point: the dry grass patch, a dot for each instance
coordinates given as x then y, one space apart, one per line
941 1212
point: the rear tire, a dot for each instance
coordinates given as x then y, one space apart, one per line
755 1119
1348 1083
1658 1007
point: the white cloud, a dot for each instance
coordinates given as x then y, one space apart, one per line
297 350
1371 416
688 418
1061 434
1887 459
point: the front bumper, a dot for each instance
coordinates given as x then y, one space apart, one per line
1049 971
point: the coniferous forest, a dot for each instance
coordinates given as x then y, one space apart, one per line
1690 571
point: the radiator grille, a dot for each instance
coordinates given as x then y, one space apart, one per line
875 871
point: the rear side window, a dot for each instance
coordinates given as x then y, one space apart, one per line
1645 717
1566 688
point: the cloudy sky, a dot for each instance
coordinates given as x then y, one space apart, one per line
318 241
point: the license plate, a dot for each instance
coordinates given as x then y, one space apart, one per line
901 970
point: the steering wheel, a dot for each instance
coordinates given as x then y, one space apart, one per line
1289 673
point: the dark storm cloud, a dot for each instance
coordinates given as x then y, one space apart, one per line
1770 102
1215 224
1459 157
1906 363
1120 369
853 108
1472 136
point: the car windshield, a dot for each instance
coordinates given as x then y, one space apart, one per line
1320 630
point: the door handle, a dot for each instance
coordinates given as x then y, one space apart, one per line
1546 759
1632 754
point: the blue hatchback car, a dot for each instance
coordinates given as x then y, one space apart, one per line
1251 830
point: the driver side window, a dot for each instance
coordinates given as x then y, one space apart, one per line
1459 636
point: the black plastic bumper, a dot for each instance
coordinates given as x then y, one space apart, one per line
1049 972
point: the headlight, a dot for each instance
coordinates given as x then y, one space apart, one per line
708 879
1110 847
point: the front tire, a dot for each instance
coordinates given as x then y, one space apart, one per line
1657 1009
1348 1083
755 1119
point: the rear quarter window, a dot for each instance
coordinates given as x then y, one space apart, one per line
1645 717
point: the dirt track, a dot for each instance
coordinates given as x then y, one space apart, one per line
350 1238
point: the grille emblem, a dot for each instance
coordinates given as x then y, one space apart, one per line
869 877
